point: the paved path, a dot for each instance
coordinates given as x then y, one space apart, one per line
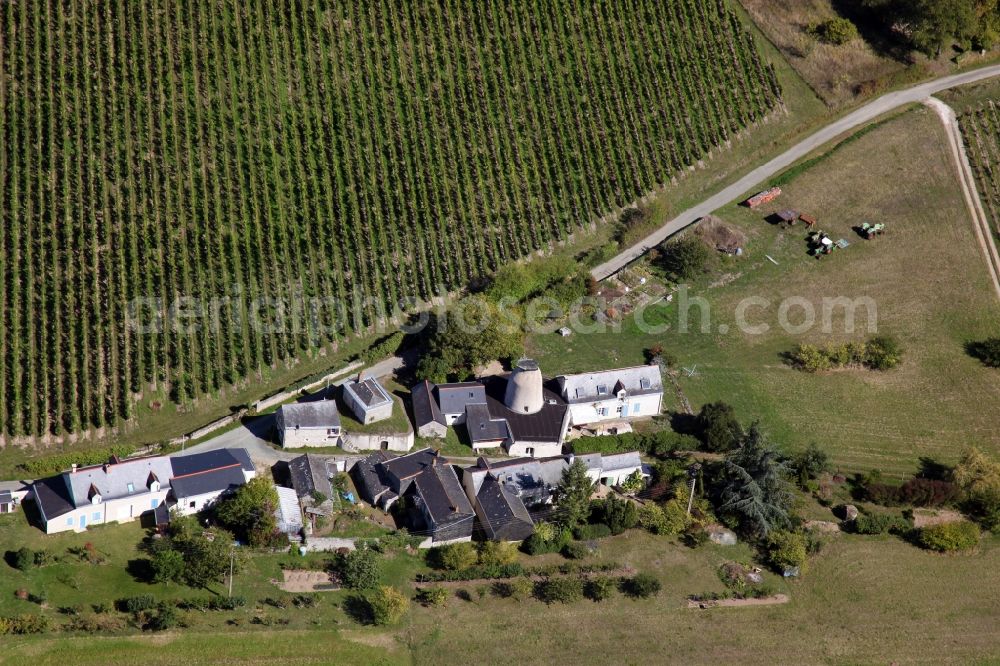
981 223
254 434
856 118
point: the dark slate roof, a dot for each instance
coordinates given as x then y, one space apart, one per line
442 494
545 425
309 474
316 414
210 460
408 466
425 406
482 427
200 483
369 392
52 495
453 398
367 478
505 514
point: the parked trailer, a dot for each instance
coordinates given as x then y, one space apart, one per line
763 197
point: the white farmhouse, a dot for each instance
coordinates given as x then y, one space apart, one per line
123 490
625 393
309 424
368 400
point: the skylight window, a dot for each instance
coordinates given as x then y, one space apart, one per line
644 383
602 389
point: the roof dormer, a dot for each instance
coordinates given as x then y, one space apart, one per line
94 495
153 483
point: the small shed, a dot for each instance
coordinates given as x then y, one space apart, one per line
288 513
808 219
788 216
368 400
8 503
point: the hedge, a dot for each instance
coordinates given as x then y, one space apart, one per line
949 537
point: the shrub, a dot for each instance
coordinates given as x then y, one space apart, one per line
432 596
24 624
986 351
575 550
652 518
786 550
563 590
948 537
455 557
304 600
641 585
837 30
359 569
810 358
164 618
619 514
496 553
137 603
23 559
595 531
718 428
599 588
547 538
882 353
387 605
880 523
684 258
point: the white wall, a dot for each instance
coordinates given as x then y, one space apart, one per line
121 510
617 476
292 438
632 407
538 449
184 508
354 441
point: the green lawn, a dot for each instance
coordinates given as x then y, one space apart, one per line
926 276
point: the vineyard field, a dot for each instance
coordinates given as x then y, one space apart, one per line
981 131
193 191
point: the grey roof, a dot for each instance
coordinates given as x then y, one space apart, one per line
6 497
638 380
367 478
287 512
115 479
425 406
209 472
504 513
481 425
528 477
620 461
453 398
408 466
210 481
442 494
193 463
52 496
369 392
310 474
316 414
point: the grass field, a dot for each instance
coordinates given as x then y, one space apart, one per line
926 276
292 173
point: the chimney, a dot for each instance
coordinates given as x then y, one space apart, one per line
74 468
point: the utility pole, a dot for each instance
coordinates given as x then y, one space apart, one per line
693 473
232 557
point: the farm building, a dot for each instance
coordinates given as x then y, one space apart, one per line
429 481
624 393
309 424
516 412
368 400
427 416
120 491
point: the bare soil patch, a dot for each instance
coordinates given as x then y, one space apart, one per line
927 517
303 580
739 603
